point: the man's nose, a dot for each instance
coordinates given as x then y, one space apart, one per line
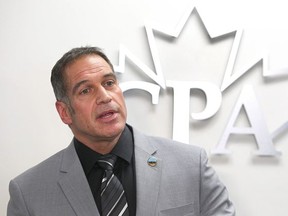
103 96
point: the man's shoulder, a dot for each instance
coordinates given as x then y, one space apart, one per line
167 144
178 149
40 170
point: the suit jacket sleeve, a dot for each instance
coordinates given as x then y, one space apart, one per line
16 205
213 194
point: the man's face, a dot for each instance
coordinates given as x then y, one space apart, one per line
97 110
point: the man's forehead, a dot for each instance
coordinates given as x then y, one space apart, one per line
88 61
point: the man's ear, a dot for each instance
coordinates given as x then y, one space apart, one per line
64 112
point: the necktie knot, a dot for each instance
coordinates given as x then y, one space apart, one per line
106 162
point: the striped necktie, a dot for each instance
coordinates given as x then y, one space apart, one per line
113 198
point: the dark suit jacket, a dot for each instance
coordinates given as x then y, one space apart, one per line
180 184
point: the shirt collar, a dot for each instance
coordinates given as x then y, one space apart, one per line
123 149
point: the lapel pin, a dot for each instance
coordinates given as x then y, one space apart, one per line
152 161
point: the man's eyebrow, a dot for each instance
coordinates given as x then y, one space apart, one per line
78 85
112 75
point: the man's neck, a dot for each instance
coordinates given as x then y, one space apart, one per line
104 146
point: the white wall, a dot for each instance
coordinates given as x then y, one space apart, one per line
35 33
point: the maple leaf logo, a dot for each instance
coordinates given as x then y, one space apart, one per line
172 34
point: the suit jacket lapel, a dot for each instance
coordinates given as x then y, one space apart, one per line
148 178
75 185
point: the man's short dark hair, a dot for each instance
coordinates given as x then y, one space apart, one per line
58 71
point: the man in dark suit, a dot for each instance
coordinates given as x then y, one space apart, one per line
158 176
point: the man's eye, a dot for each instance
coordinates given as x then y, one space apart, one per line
109 83
85 91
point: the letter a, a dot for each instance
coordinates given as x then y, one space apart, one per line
258 128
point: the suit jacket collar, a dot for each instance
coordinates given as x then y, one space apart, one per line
148 178
74 184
